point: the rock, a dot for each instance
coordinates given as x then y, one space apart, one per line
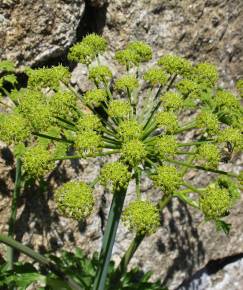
34 31
199 30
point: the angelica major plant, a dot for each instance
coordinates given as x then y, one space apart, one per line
141 118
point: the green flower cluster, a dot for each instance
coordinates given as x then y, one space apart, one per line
146 135
141 217
75 200
115 175
85 51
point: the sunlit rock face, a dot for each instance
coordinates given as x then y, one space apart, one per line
33 31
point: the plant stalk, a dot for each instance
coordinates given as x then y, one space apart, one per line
109 238
12 219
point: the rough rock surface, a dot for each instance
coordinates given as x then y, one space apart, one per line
201 30
33 31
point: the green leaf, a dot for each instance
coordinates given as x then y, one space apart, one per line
19 150
223 226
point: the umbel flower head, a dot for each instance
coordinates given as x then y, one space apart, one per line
75 200
141 217
157 123
115 175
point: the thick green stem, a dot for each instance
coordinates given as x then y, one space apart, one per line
122 268
109 238
39 258
12 218
52 138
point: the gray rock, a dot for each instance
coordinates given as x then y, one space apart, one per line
33 31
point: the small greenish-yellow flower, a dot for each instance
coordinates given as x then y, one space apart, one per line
129 129
38 161
13 128
88 122
239 86
141 217
208 121
231 186
96 42
75 200
225 99
87 142
156 76
215 202
119 108
48 77
167 178
167 121
62 103
188 88
205 74
233 136
133 152
142 50
81 53
115 175
127 57
166 146
175 64
172 101
126 82
208 155
95 97
100 74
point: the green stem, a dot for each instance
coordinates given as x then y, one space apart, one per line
109 238
81 156
12 218
39 258
52 138
202 168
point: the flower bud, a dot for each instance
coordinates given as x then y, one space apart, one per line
142 50
156 76
75 200
88 122
208 155
115 175
81 53
172 101
133 152
175 64
129 129
166 146
100 74
141 217
167 178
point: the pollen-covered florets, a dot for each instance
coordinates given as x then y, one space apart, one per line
95 97
126 82
188 88
133 152
33 106
129 129
141 217
88 122
81 53
166 146
167 121
48 77
115 175
167 178
96 42
208 155
37 161
100 74
156 76
172 101
233 136
208 121
142 50
175 64
13 128
119 109
75 200
127 57
215 202
87 142
225 99
62 103
205 74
